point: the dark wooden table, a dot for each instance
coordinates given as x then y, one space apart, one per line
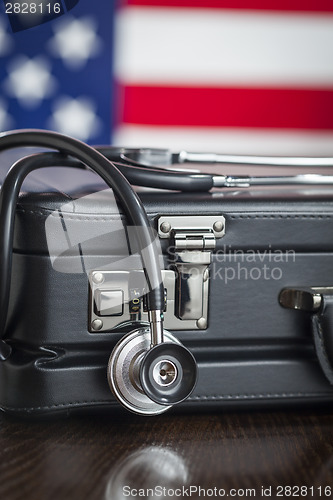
117 457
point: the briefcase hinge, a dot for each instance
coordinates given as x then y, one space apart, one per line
192 240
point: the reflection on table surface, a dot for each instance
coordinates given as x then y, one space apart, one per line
124 456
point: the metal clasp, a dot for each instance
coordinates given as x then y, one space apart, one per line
116 297
192 238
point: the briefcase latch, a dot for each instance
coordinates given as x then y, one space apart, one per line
117 297
308 299
191 242
317 302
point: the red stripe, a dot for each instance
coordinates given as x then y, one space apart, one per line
227 107
278 5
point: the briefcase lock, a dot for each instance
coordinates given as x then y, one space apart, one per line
118 297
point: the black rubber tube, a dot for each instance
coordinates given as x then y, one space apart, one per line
141 176
117 156
129 200
8 199
159 177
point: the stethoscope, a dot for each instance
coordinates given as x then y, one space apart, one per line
160 371
151 167
149 370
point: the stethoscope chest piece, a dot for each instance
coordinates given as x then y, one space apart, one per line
168 373
146 380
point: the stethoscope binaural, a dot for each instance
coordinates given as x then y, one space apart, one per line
147 167
149 369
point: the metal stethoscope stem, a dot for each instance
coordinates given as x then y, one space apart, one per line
231 181
271 161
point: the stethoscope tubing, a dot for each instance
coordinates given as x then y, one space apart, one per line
165 178
130 201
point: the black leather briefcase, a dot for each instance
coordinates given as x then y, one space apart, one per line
252 300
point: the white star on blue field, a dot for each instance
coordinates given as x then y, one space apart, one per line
58 75
29 80
75 41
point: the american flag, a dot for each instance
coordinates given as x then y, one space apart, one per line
233 76
58 75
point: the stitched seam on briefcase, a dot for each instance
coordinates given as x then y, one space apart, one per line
279 216
259 396
44 212
60 405
192 399
96 217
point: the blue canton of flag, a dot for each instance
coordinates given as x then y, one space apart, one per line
58 75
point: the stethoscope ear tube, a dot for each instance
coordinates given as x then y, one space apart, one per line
154 370
148 175
8 199
129 200
170 180
157 177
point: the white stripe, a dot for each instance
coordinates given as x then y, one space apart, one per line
209 47
224 140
